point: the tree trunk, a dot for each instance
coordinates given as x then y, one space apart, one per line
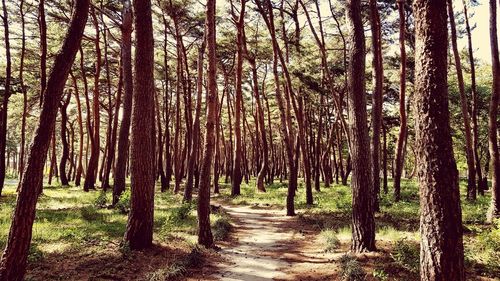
363 224
14 257
494 211
399 161
90 176
471 176
24 91
126 69
378 80
42 26
63 106
139 233
5 98
188 191
441 248
205 237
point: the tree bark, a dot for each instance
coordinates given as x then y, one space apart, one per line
139 233
63 106
14 257
378 80
494 211
205 237
441 246
471 175
123 134
399 160
363 224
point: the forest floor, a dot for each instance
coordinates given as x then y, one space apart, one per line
76 236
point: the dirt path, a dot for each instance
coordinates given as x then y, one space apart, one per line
269 246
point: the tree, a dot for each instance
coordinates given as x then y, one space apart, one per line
14 257
205 237
471 176
378 78
494 211
399 160
94 132
63 107
126 69
441 246
6 96
363 224
139 233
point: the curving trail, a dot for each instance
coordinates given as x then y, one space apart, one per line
269 247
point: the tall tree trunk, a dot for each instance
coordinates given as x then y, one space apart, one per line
42 26
363 224
139 233
188 191
90 176
441 246
481 185
63 106
471 176
24 91
5 98
14 257
399 161
494 211
378 80
237 166
126 69
79 168
205 237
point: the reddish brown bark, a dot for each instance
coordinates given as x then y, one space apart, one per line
205 237
14 257
441 248
139 233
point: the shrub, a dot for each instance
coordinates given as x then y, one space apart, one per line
351 270
101 200
221 228
406 254
35 254
380 274
123 204
180 214
330 240
91 214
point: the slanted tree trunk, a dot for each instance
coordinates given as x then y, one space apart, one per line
363 224
399 161
471 175
123 134
205 237
139 233
494 211
441 247
14 257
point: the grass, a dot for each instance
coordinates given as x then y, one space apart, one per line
71 223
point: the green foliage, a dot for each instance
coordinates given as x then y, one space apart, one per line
351 269
407 254
123 204
330 240
172 272
101 201
35 254
90 214
221 228
380 274
180 214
